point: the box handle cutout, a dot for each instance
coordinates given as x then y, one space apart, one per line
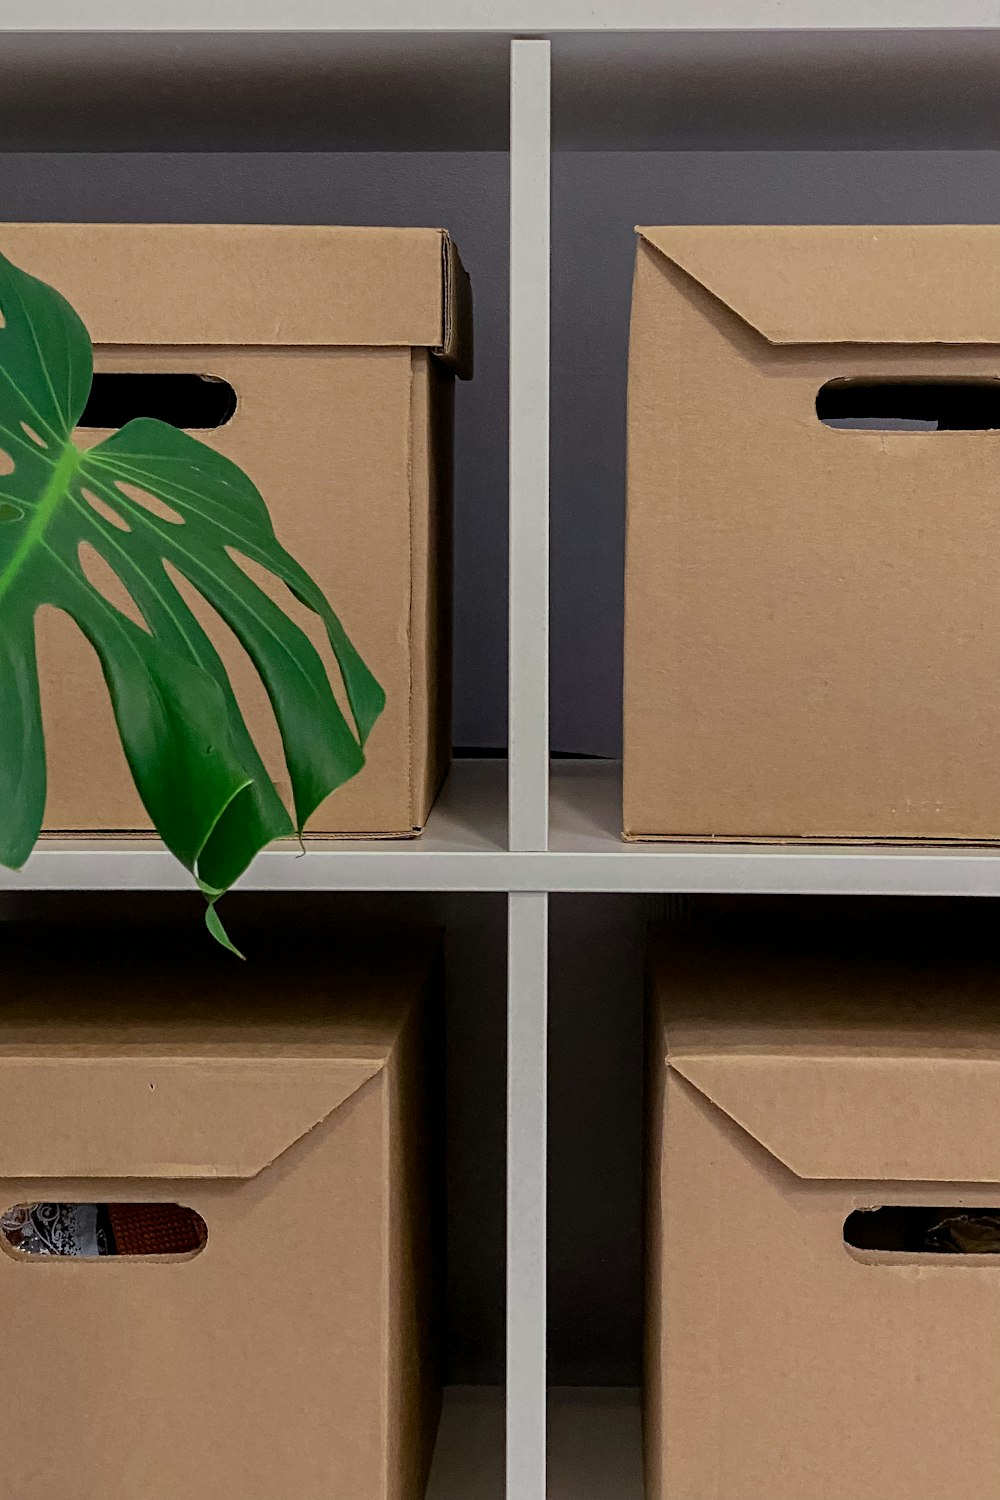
910 405
193 402
93 1231
924 1231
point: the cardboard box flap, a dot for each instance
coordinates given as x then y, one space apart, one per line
456 349
163 1117
866 1056
173 1060
820 284
264 285
879 1119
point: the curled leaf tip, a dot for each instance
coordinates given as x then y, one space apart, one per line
221 936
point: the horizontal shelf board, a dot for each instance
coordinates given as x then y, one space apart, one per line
464 849
513 17
467 830
587 853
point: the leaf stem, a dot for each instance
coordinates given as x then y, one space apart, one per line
48 504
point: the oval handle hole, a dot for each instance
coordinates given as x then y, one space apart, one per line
93 1231
187 401
911 405
924 1231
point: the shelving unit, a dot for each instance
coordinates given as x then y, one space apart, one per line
466 848
436 76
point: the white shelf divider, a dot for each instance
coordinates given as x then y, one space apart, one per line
528 767
527 1179
530 240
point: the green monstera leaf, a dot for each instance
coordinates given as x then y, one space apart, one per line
191 755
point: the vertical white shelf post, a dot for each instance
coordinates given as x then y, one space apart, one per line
527 1020
530 214
527 1136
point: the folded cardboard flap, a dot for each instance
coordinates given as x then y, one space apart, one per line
820 284
847 1054
250 284
457 345
91 1117
880 1118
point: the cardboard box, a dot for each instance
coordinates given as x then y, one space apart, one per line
341 346
292 1106
791 1088
813 613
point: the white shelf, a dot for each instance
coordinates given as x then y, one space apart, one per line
508 17
587 853
465 848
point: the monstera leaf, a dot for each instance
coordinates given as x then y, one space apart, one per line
151 500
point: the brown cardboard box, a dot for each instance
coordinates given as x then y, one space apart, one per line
791 1087
290 1105
813 614
341 346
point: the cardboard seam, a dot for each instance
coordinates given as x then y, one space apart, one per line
448 312
147 835
456 350
387 1227
826 840
412 707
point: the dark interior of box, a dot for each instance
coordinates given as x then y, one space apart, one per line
188 401
915 1229
914 404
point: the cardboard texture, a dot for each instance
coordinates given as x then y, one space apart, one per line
812 641
293 1107
341 345
788 1088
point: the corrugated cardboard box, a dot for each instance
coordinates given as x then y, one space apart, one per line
291 1106
340 346
813 578
824 1137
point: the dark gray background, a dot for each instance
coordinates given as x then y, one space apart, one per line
596 952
